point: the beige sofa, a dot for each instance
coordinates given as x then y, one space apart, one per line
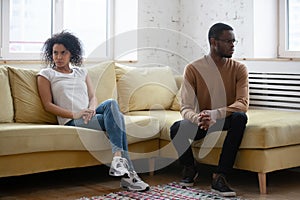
31 141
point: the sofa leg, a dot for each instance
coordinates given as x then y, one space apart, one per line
262 179
151 166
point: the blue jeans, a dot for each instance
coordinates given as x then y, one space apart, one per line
108 118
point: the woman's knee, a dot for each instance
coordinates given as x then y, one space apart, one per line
111 103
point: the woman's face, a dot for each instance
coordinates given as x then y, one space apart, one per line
61 56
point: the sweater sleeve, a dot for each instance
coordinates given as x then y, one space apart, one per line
189 106
241 103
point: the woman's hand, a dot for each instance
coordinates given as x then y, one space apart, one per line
85 114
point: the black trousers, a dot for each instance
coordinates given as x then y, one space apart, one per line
183 131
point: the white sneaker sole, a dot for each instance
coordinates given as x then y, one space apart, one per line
113 172
134 189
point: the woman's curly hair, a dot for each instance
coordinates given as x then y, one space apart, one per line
71 43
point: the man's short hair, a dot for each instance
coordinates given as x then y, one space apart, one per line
217 29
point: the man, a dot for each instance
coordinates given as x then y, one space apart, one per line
214 96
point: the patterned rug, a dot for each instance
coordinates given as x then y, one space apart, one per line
171 191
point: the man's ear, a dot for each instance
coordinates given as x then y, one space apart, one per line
213 41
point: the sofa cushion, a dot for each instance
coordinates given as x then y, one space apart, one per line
6 101
145 88
27 103
141 128
19 138
103 77
166 119
176 102
278 128
28 106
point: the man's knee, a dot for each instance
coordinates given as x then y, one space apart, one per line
174 129
240 117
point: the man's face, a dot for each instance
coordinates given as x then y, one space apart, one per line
225 44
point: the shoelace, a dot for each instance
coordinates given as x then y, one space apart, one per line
135 176
223 183
125 163
122 162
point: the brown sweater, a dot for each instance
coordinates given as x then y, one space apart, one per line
208 87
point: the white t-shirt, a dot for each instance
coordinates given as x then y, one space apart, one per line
69 91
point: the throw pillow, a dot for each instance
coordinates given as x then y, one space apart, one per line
103 77
6 102
26 99
176 103
145 88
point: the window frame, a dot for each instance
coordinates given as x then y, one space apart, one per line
56 25
283 51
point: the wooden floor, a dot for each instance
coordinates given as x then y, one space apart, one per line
93 181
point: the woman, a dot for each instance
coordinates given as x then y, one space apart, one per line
67 92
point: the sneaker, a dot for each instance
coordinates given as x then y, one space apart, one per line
134 183
220 186
189 176
119 166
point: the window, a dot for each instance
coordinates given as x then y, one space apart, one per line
88 19
289 43
26 24
24 35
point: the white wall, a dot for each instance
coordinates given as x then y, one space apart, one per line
198 16
177 29
174 32
265 32
158 36
279 66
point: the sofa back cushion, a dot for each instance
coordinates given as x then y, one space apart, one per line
6 102
27 103
176 103
103 77
144 88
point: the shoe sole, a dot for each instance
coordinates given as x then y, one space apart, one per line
135 190
186 184
113 173
224 194
189 184
116 175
